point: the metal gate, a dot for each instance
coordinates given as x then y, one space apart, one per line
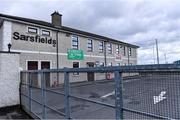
134 92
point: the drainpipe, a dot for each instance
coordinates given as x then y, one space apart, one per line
57 55
128 55
57 50
105 56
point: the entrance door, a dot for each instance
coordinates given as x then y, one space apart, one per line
46 65
33 65
90 75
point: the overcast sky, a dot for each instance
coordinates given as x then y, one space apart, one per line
138 22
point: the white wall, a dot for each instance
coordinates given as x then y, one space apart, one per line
6 35
9 79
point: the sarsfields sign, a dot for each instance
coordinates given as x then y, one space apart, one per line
37 38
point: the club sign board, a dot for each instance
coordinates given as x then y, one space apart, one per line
75 54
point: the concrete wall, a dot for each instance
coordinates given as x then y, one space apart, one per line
9 79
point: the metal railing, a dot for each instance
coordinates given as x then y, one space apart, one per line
42 101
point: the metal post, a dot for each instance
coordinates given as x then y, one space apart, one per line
30 91
66 87
118 95
43 87
20 88
157 51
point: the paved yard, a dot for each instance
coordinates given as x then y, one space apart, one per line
154 94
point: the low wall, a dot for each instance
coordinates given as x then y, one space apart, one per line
9 79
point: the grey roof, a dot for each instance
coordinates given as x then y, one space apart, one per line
44 23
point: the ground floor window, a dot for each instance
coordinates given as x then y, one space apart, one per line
32 65
76 65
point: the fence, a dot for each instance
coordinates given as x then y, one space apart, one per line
131 92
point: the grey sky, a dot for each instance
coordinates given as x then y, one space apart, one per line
138 22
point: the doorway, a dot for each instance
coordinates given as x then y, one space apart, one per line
46 65
90 75
33 65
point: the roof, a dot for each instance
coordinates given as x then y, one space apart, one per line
48 24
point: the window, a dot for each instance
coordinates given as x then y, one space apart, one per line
101 46
130 51
89 45
101 64
117 49
109 47
110 64
76 65
75 42
45 32
118 64
124 51
32 30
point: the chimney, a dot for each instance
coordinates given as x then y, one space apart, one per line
56 19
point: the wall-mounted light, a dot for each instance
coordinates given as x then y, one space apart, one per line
9 47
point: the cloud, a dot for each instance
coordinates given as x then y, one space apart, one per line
137 22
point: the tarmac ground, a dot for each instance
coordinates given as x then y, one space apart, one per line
151 94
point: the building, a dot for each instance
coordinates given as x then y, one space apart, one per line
44 45
177 62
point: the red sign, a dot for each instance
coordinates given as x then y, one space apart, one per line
118 57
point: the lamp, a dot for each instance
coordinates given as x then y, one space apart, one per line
9 47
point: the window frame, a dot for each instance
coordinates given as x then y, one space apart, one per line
74 46
130 51
101 46
109 48
45 31
76 73
117 49
32 28
124 50
89 48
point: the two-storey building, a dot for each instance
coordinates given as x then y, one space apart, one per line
45 45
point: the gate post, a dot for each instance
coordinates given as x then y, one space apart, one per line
66 89
43 88
30 90
118 95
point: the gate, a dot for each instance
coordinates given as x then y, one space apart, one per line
134 92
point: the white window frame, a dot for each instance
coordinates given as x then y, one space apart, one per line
102 46
32 28
117 49
46 31
78 43
92 43
110 48
130 51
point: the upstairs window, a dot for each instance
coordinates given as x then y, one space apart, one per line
130 51
118 64
46 32
75 42
101 46
124 51
109 47
110 64
117 49
32 30
89 45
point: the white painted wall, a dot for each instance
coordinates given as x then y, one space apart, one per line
1 37
6 35
9 79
